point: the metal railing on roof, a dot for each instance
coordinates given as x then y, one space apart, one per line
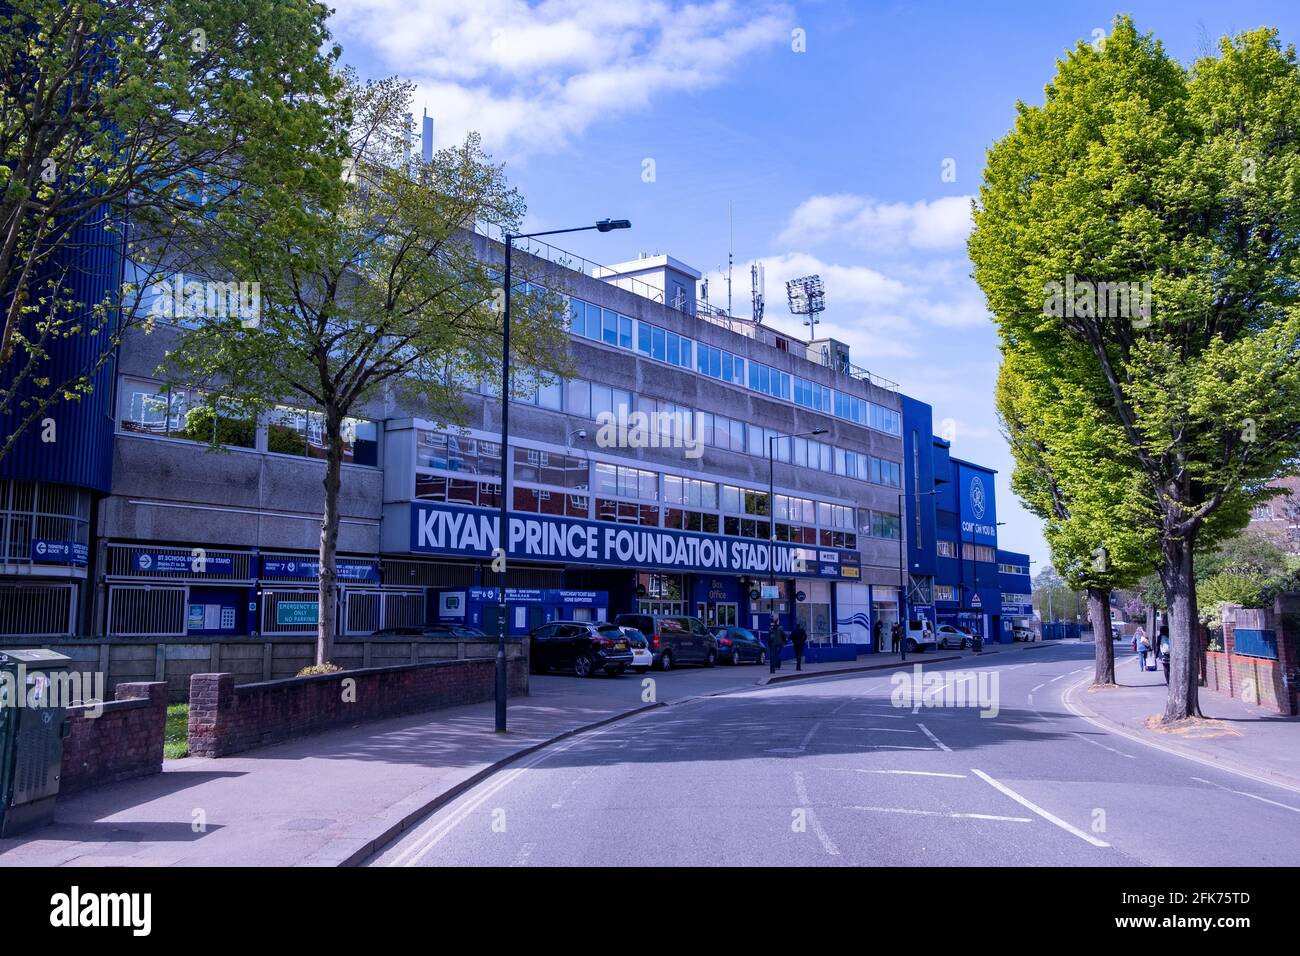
702 310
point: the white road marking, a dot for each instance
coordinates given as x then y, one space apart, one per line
1203 761
889 730
935 740
1032 689
1253 796
802 790
1056 678
907 773
1029 805
1103 746
802 747
912 811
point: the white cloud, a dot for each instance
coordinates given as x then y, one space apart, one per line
529 77
871 224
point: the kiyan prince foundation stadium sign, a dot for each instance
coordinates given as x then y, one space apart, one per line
443 529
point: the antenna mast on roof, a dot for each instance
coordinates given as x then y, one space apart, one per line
731 248
758 290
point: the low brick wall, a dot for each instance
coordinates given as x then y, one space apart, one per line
1265 681
227 718
125 741
126 660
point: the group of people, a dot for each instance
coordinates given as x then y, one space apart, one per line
776 640
1157 654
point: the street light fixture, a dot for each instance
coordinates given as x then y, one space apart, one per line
903 574
503 520
771 521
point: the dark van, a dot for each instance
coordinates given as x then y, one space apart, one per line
674 638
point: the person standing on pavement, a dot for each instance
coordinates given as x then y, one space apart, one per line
875 633
798 637
1144 648
775 641
894 631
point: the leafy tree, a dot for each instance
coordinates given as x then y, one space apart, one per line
1100 527
372 291
1140 233
145 119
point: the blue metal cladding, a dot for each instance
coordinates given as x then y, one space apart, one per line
1254 642
89 264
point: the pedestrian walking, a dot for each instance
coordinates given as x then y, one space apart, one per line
798 637
1144 648
775 641
1164 651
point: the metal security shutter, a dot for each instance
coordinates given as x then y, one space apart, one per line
136 610
36 610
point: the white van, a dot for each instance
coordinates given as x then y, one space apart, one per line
921 634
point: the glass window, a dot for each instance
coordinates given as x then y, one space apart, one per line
609 326
715 362
644 334
602 400
551 395
659 344
578 398
624 332
687 346
738 374
674 348
730 498
577 317
605 479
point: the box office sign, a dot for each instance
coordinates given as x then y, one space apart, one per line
438 528
309 569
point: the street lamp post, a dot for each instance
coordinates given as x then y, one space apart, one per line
503 519
902 570
771 522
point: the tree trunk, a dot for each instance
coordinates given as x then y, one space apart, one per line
327 592
1104 651
1176 573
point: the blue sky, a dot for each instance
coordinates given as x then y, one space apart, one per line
832 158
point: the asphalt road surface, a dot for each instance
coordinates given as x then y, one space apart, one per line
832 771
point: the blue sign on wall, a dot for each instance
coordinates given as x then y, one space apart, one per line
438 528
979 517
157 562
46 551
308 568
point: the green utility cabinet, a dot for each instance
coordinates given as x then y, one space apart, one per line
32 728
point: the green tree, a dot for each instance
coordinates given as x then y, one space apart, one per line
374 291
149 118
1140 233
1100 527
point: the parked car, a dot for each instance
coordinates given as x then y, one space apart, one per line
674 638
429 630
920 635
583 647
1020 632
954 635
453 630
739 645
642 659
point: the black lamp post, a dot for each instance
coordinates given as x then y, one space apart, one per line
771 520
503 521
902 570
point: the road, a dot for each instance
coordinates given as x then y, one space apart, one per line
831 771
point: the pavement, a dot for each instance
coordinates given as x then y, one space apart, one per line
976 762
1234 734
333 798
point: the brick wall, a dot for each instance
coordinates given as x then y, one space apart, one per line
1258 680
124 741
227 718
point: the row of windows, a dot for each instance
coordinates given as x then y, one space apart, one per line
187 414
1017 598
1013 569
593 322
969 552
590 400
798 519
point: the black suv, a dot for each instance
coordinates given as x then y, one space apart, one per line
583 647
674 638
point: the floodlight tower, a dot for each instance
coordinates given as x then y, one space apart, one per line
807 298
